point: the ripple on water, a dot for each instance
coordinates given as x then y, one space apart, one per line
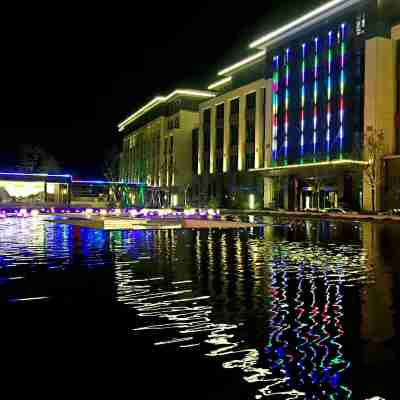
272 308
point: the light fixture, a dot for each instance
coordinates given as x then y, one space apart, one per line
162 99
219 83
323 11
252 201
255 57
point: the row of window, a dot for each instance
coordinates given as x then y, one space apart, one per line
173 123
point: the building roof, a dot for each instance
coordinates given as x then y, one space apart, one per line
205 94
315 16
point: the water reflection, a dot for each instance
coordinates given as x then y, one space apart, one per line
302 312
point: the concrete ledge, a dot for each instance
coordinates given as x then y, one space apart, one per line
314 215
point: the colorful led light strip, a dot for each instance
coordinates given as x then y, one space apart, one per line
329 98
275 109
303 100
342 87
286 104
315 117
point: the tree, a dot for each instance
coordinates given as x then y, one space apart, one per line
118 193
374 153
34 159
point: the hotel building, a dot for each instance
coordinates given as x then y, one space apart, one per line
157 142
288 125
291 121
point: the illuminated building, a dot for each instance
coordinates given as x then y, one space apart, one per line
229 141
40 190
287 124
291 120
157 142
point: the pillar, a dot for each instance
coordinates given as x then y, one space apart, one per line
242 133
200 147
268 192
379 105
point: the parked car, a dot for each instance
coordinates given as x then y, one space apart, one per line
334 211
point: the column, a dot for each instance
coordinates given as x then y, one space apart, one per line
260 126
213 141
201 142
227 113
242 133
268 125
379 105
268 192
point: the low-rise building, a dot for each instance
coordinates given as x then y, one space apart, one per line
158 140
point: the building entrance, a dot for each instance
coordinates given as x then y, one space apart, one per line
313 200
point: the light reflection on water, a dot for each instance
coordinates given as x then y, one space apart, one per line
279 305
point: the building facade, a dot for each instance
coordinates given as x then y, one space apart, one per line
291 123
231 137
157 142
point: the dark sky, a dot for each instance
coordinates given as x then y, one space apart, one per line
71 72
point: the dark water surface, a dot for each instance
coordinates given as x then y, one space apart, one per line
273 312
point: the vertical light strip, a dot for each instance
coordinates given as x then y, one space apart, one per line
329 98
342 86
275 110
286 105
303 101
315 117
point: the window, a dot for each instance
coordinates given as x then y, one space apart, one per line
176 124
195 150
250 129
234 134
360 24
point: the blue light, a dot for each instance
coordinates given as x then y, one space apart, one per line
38 174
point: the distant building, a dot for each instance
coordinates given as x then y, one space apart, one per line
158 140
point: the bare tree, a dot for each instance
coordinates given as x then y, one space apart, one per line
111 173
374 153
35 159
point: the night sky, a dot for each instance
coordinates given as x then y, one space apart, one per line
71 72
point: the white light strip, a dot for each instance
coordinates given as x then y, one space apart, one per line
157 100
242 63
313 164
305 18
188 92
161 99
220 83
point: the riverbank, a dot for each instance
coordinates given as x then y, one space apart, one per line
350 216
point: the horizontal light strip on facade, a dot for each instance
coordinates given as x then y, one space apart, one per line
161 99
258 56
304 22
220 83
313 164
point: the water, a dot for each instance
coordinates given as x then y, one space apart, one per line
267 313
